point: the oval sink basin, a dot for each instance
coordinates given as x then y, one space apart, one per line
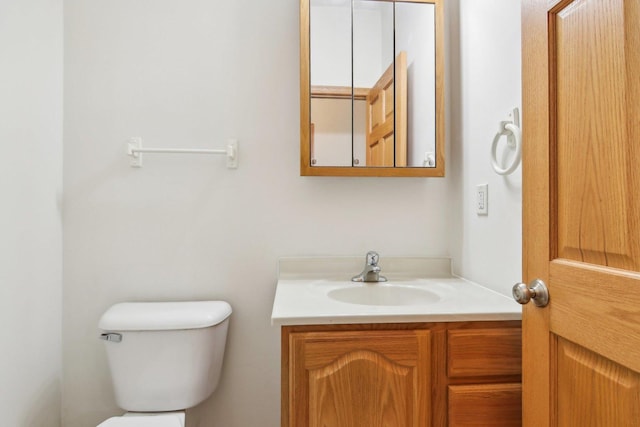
383 294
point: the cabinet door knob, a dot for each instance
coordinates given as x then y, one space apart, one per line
536 291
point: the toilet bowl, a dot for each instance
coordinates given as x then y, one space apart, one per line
173 419
164 357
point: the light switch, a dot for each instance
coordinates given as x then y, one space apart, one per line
482 199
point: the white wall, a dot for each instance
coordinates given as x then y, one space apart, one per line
194 74
30 224
485 84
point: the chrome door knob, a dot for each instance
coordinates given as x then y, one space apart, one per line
536 291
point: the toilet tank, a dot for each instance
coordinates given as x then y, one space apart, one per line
164 356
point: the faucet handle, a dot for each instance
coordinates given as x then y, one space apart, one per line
372 258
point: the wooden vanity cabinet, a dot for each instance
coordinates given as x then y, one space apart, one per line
402 375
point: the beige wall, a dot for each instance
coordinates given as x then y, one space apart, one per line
30 218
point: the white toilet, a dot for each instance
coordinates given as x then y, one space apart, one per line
164 357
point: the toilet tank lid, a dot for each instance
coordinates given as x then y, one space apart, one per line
163 316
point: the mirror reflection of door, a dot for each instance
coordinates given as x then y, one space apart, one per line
387 117
367 107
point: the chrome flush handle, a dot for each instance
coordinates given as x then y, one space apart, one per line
111 336
536 291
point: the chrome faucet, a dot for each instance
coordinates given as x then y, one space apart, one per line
371 272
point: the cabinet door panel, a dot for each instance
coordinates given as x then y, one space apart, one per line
361 388
363 378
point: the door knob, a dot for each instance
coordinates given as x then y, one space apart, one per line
536 291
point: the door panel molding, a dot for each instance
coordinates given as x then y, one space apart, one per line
584 294
595 391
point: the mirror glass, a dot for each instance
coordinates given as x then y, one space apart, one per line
373 93
331 77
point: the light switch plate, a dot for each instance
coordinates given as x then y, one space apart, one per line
482 199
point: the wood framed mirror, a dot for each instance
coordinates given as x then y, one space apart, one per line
372 88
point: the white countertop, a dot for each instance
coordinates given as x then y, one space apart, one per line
304 284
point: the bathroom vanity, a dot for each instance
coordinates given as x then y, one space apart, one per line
446 352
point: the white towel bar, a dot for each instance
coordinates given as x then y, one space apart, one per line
135 150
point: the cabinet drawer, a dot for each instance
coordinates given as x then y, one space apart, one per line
484 352
485 405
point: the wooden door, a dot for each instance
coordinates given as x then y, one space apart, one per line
581 213
386 113
359 379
